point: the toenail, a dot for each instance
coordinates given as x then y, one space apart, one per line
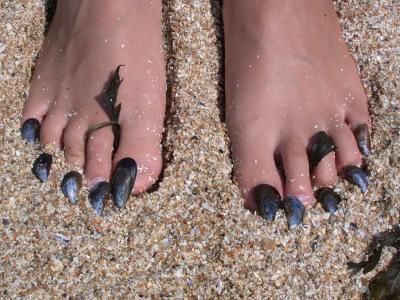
70 186
357 176
122 181
321 145
268 201
362 136
328 199
30 130
294 211
41 167
98 195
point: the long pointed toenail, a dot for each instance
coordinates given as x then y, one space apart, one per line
267 199
361 134
357 176
122 181
30 130
71 185
328 198
98 195
294 211
41 167
321 145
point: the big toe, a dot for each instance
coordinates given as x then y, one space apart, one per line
137 163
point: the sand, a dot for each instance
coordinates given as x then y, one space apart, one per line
190 236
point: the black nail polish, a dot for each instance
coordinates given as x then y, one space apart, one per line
321 145
361 134
268 200
357 176
30 130
122 181
294 211
98 195
328 199
41 167
71 185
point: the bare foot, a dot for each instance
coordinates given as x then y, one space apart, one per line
85 43
289 75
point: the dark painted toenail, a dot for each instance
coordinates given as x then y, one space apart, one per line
268 200
294 211
361 134
71 185
122 181
98 195
357 176
41 166
30 130
328 198
321 145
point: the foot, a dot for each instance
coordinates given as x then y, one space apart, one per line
289 75
85 43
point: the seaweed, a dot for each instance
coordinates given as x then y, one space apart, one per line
108 101
386 284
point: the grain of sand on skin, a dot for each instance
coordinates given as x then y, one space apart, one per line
191 237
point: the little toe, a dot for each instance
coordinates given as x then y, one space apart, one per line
349 158
358 119
361 127
52 127
74 143
296 167
99 146
325 173
357 111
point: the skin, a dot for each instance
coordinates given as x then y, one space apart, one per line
288 75
85 43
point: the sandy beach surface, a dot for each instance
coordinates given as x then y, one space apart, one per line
190 236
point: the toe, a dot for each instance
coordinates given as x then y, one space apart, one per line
296 167
254 163
52 127
358 119
145 149
325 173
41 95
74 143
361 127
35 107
98 155
250 173
347 152
357 112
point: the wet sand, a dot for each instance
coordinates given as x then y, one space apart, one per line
190 237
